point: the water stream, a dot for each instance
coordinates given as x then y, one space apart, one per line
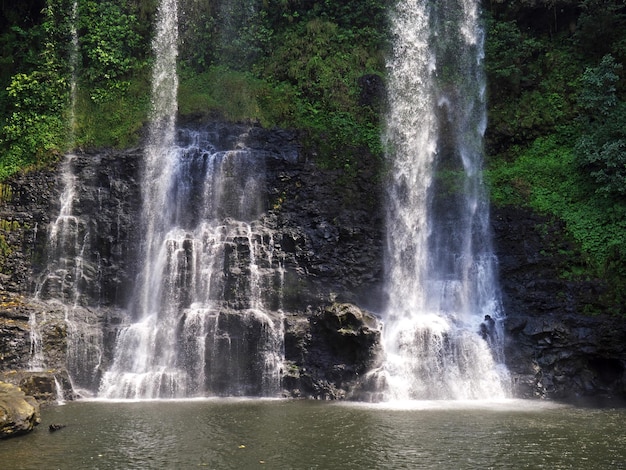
61 239
204 322
195 329
204 317
442 330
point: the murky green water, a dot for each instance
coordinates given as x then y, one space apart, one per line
242 434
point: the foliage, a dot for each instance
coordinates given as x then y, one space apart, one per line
116 121
600 29
545 177
323 62
237 31
601 149
35 129
281 63
556 140
110 48
230 95
511 56
531 85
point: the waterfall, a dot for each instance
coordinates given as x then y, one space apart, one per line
36 361
68 271
66 276
74 58
205 324
198 323
58 388
442 332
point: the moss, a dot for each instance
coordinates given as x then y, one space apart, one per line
6 193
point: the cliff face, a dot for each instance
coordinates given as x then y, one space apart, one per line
555 348
70 271
327 230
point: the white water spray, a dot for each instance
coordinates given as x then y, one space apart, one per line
441 278
192 331
74 58
209 330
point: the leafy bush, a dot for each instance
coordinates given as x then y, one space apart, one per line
601 148
227 94
545 177
36 128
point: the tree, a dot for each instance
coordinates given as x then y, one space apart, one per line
601 148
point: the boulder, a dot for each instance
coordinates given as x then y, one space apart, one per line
329 354
19 413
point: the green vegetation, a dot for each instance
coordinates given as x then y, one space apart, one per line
288 64
557 136
34 124
556 140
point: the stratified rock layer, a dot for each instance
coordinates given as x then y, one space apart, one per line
555 350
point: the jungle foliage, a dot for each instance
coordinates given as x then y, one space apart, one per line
556 139
557 135
293 64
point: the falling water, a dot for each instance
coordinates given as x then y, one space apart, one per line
60 395
440 265
64 230
205 325
198 323
74 57
66 275
36 362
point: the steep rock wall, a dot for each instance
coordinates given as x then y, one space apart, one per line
326 229
555 348
330 237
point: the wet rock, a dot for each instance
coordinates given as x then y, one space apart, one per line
327 235
330 353
372 91
554 350
19 413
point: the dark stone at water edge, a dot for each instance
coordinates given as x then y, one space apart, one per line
329 353
553 349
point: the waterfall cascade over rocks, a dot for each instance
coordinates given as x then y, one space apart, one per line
243 248
178 287
196 328
442 332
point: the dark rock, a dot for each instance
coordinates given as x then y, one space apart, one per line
372 91
330 354
55 427
327 235
325 230
554 350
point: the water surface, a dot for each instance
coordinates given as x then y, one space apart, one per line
242 434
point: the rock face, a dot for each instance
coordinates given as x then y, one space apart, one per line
81 264
61 309
19 413
330 352
555 350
